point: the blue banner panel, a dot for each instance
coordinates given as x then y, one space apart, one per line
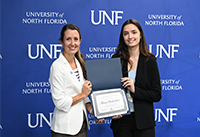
29 37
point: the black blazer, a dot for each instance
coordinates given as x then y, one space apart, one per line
147 91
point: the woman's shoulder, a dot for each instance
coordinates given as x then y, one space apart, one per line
150 58
58 63
151 61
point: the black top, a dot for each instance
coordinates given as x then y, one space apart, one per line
147 91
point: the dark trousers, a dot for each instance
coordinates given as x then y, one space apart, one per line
127 128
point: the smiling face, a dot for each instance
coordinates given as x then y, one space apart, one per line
71 42
131 35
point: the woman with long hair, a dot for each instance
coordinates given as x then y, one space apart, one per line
141 81
70 87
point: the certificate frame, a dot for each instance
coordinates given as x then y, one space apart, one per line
105 76
109 102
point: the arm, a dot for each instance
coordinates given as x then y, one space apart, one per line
87 87
89 109
150 88
61 101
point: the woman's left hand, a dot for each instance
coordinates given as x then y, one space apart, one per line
128 83
100 121
117 117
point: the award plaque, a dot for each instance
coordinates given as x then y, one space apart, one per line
107 103
108 97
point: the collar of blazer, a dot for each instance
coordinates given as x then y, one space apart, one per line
141 61
74 78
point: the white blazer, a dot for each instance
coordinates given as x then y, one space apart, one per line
67 119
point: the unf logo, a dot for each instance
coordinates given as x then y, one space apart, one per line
168 115
103 15
37 120
39 49
160 49
53 50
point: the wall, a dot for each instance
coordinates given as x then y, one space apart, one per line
29 44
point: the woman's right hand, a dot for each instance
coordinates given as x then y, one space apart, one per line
87 87
128 83
117 117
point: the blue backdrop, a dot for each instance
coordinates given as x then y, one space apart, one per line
29 44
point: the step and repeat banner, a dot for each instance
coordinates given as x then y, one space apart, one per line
30 32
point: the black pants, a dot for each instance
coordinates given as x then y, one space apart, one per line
128 128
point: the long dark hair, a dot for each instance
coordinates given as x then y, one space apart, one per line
122 48
78 54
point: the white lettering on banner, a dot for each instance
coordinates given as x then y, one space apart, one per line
172 87
166 17
102 49
37 84
164 20
168 116
160 49
100 52
36 88
173 23
40 49
104 52
165 23
168 81
1 127
171 84
39 120
95 56
55 21
1 56
42 14
48 18
154 23
31 91
93 122
45 21
32 21
198 118
103 15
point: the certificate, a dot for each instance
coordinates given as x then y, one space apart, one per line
108 103
108 97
